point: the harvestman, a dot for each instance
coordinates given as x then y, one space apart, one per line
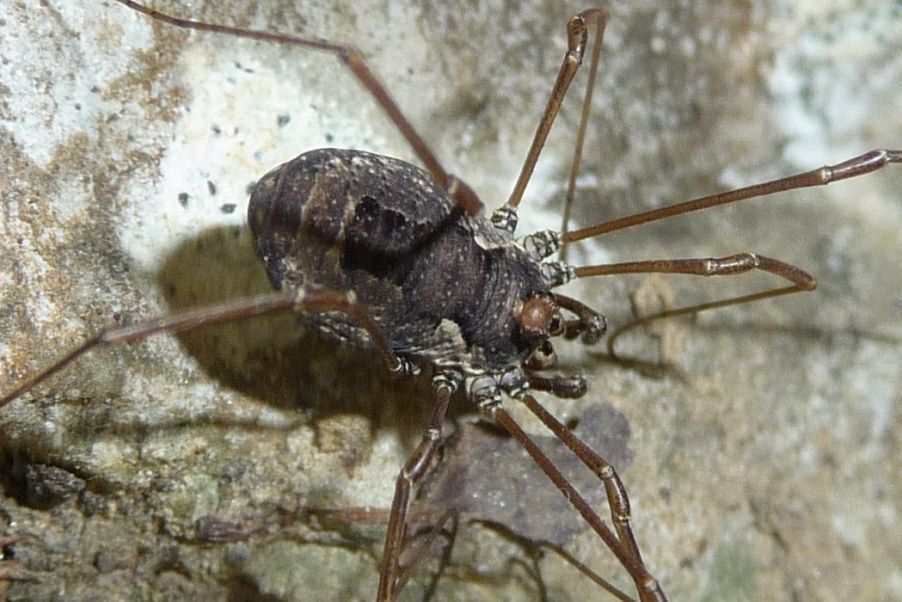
497 344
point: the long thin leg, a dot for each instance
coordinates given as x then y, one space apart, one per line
581 133
354 60
857 166
416 554
614 489
416 469
577 36
297 301
646 585
723 266
582 568
535 547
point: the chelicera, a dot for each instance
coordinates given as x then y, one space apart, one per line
386 255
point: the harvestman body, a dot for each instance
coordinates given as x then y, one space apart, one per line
386 255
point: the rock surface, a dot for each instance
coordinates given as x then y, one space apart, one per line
768 472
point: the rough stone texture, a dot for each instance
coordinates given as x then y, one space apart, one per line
767 473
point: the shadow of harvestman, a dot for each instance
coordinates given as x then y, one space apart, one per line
462 492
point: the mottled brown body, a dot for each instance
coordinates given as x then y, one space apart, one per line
441 283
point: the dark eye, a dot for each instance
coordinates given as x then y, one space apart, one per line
555 324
